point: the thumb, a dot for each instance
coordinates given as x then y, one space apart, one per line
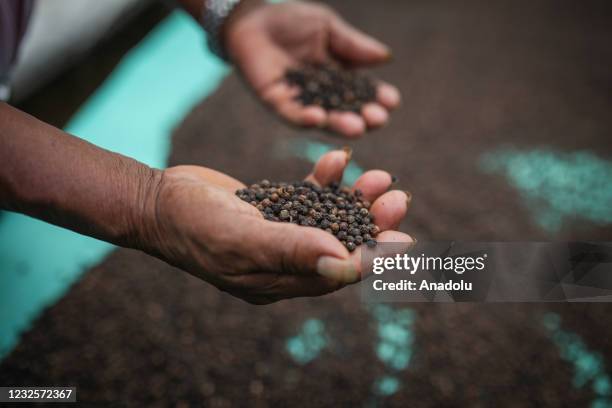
298 250
354 46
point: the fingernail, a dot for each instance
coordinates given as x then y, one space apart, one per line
349 153
389 56
408 198
341 270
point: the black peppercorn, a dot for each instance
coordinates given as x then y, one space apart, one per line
331 87
333 209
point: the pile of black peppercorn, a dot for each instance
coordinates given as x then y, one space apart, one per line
331 87
335 209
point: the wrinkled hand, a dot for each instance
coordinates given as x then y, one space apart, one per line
264 41
204 228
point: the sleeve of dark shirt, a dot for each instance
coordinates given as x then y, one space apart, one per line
14 16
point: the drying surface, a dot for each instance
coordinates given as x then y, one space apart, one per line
478 79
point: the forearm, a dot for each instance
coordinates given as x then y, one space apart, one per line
48 174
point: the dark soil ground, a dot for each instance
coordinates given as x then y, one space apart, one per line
474 75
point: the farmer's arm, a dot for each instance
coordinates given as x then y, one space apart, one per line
51 175
188 216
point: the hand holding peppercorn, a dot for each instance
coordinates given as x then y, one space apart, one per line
266 41
204 228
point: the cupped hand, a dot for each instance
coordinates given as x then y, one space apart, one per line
268 39
202 227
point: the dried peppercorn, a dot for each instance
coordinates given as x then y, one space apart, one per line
331 87
333 209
